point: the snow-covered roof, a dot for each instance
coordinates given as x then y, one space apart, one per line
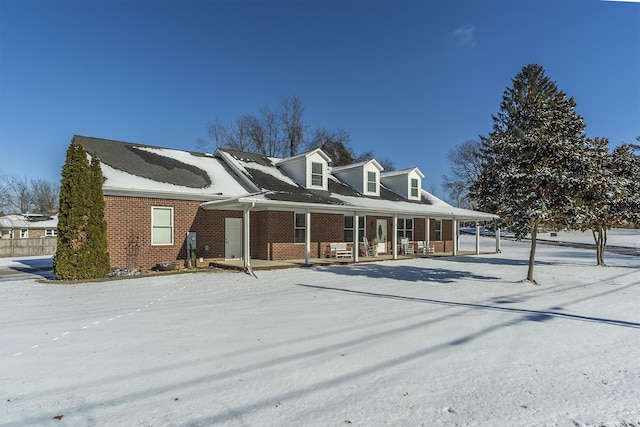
357 165
28 221
234 178
402 172
129 167
305 154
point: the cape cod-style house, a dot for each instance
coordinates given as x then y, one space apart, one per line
162 204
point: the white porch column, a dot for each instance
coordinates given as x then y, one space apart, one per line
246 253
307 238
394 238
356 233
454 236
477 237
427 233
498 240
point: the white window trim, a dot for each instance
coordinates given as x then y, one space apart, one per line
374 182
402 231
50 232
295 227
321 174
153 226
361 229
438 230
412 188
24 233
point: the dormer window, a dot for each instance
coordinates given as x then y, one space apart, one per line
372 184
406 182
414 187
316 174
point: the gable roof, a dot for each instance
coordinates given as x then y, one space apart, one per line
28 221
137 167
305 154
232 179
358 165
401 172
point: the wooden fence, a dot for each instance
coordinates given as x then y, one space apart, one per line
28 247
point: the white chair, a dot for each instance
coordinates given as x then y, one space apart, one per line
367 247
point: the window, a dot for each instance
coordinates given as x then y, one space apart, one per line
300 227
161 226
372 184
316 174
405 228
414 187
24 233
50 232
348 229
438 230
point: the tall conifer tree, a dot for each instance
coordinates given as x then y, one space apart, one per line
532 160
81 251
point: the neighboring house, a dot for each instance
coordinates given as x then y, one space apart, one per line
160 203
28 226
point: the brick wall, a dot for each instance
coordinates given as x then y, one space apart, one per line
129 231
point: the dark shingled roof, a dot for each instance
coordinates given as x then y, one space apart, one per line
129 158
278 189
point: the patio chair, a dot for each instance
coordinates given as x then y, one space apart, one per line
367 247
422 248
406 248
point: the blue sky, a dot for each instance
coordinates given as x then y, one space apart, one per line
408 79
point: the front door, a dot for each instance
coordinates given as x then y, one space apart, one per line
232 238
381 234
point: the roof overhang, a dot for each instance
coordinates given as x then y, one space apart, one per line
177 195
262 204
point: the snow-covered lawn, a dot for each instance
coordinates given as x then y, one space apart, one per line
441 341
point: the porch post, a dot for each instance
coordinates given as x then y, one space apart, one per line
498 240
427 232
307 238
477 237
356 233
394 238
245 238
454 236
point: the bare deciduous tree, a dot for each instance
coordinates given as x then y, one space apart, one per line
291 112
19 194
466 162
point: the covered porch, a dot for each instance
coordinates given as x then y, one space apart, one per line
303 213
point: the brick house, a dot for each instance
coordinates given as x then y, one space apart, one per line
28 226
162 203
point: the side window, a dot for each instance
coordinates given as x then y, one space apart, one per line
438 230
161 226
24 233
299 227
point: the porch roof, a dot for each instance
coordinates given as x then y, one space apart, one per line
349 205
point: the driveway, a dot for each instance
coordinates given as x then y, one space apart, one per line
23 268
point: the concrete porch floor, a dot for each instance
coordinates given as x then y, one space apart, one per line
261 264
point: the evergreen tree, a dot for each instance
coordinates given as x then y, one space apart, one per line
600 192
532 161
81 250
97 226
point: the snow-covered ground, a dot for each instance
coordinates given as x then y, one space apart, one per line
440 341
